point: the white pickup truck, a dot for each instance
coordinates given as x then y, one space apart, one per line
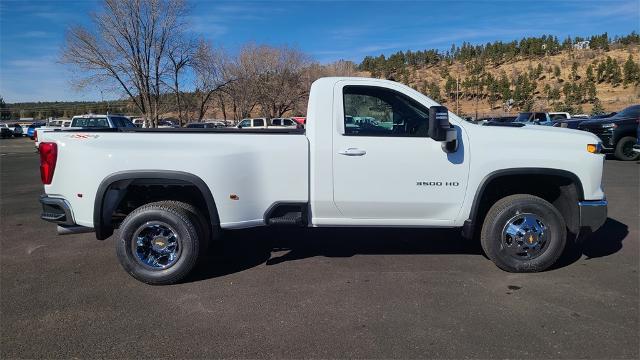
523 191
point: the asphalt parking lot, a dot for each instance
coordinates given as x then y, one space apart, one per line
319 293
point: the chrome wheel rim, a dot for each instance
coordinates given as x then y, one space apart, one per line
524 237
156 245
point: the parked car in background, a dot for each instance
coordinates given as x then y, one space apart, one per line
31 130
636 147
559 115
101 121
255 123
535 118
89 121
204 125
618 133
17 130
499 119
602 116
138 122
59 123
5 131
167 124
285 123
302 120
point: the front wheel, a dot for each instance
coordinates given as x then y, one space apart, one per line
158 243
624 149
523 233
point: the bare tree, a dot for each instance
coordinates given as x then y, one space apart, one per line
210 73
180 55
129 47
279 78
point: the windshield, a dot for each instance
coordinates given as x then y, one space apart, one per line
630 112
523 117
90 122
245 123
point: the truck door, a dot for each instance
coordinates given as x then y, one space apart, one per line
386 166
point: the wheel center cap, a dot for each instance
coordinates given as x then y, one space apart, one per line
530 238
159 243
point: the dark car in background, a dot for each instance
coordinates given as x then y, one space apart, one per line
204 125
636 147
574 122
17 130
498 119
5 131
618 133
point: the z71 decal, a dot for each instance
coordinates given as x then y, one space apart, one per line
82 136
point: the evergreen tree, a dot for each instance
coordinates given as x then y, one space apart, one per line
631 72
574 71
590 77
597 107
450 87
5 113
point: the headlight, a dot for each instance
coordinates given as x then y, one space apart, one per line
609 126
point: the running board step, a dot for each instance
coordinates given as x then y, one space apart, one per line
293 218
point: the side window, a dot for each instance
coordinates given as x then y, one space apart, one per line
288 122
276 122
117 122
258 122
377 111
126 122
541 117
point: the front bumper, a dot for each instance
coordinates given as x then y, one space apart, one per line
58 211
593 214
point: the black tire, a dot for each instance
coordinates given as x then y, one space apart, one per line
204 228
186 228
624 149
505 251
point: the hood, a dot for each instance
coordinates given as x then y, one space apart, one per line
529 130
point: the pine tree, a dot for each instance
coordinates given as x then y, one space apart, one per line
574 71
616 74
631 72
597 107
556 71
450 87
590 77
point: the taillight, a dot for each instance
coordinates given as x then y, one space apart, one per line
48 158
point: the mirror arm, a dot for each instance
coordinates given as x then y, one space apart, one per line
450 144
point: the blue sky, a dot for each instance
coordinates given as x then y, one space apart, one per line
32 32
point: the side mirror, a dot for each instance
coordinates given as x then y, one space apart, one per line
239 126
441 130
438 123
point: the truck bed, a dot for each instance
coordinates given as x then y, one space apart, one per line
229 130
246 174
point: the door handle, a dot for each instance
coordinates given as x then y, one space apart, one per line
352 152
